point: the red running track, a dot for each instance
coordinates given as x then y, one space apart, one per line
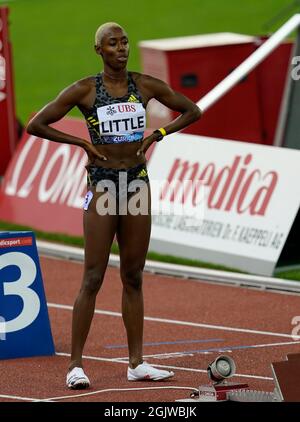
187 325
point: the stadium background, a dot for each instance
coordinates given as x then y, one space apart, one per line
53 40
53 46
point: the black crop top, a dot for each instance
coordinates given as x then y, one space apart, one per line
116 120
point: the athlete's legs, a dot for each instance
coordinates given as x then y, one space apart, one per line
133 236
99 231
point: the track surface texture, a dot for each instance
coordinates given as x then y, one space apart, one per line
188 323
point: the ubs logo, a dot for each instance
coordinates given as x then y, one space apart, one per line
110 111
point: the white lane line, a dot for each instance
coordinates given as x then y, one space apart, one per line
217 349
5 396
177 368
117 360
184 323
109 390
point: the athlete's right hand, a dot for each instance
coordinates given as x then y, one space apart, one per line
93 154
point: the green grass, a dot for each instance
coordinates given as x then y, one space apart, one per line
78 241
53 39
289 275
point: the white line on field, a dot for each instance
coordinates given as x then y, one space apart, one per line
184 323
177 368
5 396
215 349
109 390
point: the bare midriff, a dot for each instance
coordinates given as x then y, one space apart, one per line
120 155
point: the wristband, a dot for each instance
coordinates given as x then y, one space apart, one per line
161 132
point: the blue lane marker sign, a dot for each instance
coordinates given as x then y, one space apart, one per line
24 322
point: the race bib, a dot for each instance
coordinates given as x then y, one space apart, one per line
121 118
87 200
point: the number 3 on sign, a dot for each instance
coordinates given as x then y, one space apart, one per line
21 287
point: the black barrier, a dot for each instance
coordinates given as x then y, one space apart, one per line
290 254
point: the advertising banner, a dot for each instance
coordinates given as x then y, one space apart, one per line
45 183
8 134
221 201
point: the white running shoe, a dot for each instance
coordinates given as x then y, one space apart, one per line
77 380
144 371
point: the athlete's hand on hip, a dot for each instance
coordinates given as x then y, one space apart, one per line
146 144
93 154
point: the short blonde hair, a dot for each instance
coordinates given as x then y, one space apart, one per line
102 29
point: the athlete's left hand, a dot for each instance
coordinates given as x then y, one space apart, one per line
146 144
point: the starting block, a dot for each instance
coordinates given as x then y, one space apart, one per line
24 322
215 392
286 377
231 392
219 391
